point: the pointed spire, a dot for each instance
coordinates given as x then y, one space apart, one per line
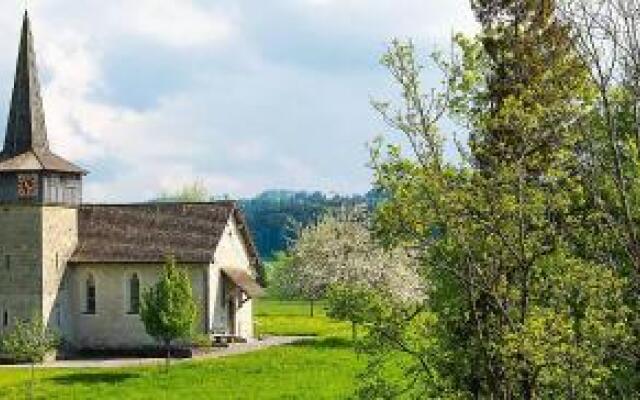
26 129
26 147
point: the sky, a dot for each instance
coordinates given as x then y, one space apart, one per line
239 95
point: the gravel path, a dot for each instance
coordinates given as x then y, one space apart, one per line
233 349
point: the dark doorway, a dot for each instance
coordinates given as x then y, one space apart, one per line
231 315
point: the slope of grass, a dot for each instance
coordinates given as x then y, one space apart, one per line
324 368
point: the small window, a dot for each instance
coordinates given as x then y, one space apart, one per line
134 294
90 306
7 262
5 318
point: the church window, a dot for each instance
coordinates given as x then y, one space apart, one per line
5 318
134 294
91 295
7 262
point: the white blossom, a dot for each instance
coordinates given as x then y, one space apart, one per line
340 249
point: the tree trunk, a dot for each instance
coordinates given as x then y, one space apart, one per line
311 308
354 331
167 345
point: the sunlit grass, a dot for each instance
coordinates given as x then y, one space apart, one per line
322 368
292 318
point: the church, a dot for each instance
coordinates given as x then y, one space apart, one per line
82 268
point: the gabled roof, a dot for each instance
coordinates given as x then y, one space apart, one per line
26 146
148 232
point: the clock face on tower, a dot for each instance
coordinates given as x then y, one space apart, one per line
27 186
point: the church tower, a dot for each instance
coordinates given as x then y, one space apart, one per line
39 196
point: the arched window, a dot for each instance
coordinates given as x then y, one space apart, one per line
90 306
134 294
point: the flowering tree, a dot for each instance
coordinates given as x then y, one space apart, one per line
339 256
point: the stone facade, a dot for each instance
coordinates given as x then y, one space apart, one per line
59 241
35 244
21 279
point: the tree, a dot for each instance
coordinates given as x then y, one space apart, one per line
192 193
498 231
168 310
279 283
29 341
608 41
339 252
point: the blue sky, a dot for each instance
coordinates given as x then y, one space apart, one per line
241 95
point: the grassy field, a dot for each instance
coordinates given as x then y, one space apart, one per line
292 318
324 368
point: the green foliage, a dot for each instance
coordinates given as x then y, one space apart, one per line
201 340
574 324
192 193
167 309
349 302
519 304
279 271
29 341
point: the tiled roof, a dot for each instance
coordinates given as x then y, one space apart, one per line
38 161
148 232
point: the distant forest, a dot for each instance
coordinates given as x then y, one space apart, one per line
274 215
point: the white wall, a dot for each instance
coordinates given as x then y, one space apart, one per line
231 252
111 326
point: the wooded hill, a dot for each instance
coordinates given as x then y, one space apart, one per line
275 215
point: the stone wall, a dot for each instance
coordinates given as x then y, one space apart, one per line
20 263
59 240
112 327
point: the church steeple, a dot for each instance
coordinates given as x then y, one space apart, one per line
26 129
26 147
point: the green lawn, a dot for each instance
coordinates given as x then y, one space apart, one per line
291 318
324 368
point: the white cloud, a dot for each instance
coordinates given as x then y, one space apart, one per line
252 122
176 23
423 20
